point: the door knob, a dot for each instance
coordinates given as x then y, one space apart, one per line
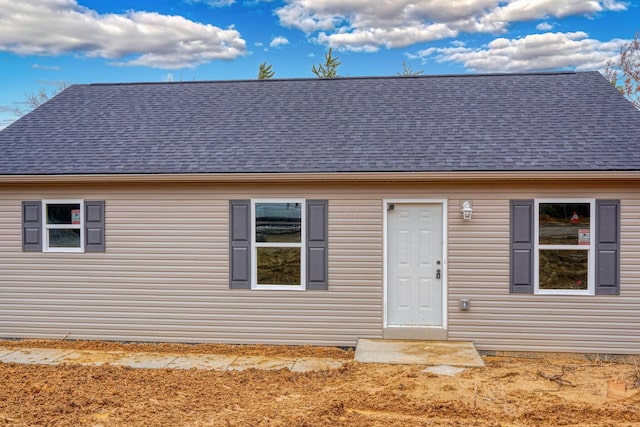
437 273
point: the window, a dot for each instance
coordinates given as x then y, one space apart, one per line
63 225
278 241
279 244
564 255
565 247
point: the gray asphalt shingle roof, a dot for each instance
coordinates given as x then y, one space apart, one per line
516 122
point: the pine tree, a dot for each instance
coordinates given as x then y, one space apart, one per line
265 72
329 69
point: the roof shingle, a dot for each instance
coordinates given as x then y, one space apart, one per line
513 122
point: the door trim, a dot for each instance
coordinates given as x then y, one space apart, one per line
415 332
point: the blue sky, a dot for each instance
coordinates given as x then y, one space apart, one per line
43 42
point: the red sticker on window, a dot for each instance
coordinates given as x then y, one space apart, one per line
75 216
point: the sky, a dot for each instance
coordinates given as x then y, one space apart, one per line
47 42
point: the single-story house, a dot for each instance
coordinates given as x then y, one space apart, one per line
500 209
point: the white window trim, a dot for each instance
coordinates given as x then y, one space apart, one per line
302 245
46 227
591 248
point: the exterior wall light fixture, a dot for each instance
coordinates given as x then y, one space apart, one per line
466 210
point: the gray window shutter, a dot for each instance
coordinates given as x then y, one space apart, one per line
317 245
607 247
94 224
522 245
240 244
32 226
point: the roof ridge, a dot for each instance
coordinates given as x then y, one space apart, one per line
302 79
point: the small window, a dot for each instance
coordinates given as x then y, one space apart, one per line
564 255
63 229
278 240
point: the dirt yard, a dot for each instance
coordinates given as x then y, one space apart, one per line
509 391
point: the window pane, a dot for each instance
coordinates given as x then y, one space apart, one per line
278 222
279 266
63 213
564 223
64 238
563 269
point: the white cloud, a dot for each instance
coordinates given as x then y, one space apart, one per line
615 5
56 27
526 10
223 3
544 26
297 15
278 41
215 3
534 52
371 39
46 67
363 25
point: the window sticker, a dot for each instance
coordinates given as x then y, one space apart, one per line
584 236
75 216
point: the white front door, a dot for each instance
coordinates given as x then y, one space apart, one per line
415 264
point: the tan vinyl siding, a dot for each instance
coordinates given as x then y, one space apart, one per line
498 320
164 275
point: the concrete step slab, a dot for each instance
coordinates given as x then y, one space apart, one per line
145 360
202 361
150 360
91 357
5 351
260 362
414 352
447 370
41 356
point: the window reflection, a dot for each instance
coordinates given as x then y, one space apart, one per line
64 238
63 213
279 266
564 223
564 269
278 222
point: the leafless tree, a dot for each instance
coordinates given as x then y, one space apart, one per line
35 99
624 71
407 71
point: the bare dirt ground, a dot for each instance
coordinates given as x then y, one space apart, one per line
509 391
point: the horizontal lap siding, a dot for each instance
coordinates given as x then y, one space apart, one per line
164 276
498 320
165 273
